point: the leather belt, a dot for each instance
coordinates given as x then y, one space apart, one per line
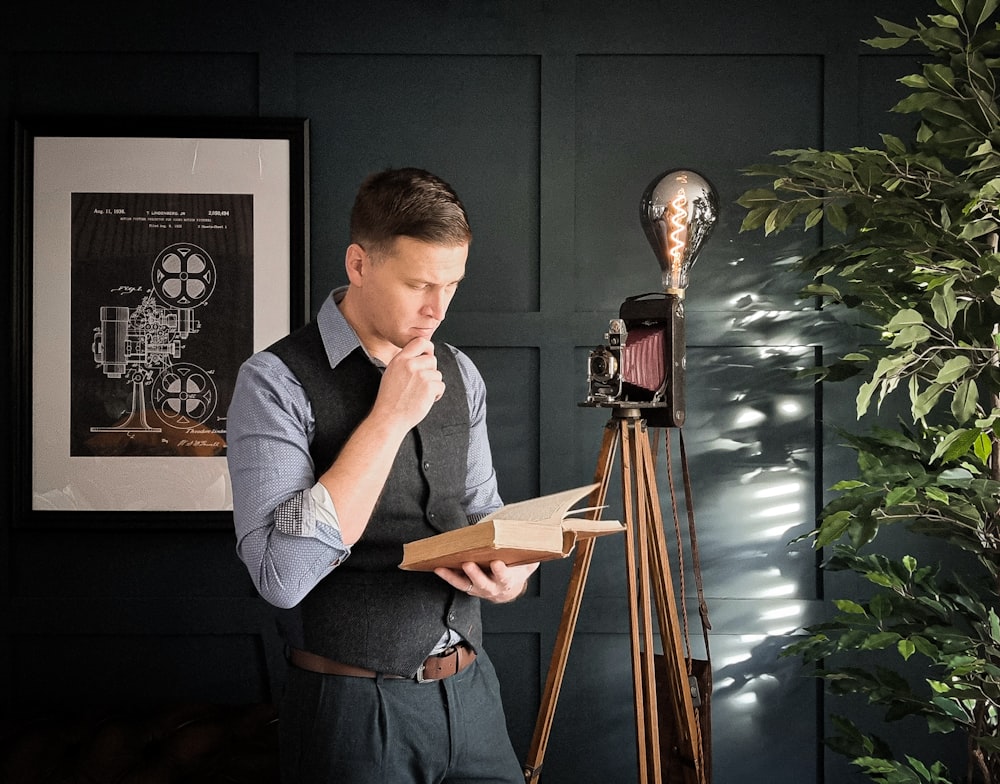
450 661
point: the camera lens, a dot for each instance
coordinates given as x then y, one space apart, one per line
602 365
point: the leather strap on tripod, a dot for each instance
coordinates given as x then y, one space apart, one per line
706 624
700 671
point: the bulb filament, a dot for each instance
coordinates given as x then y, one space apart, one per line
677 234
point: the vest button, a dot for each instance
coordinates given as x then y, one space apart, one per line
427 465
451 617
431 516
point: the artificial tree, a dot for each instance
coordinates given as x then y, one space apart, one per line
915 224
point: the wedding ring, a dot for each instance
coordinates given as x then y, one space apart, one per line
471 586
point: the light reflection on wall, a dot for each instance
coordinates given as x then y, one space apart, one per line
754 426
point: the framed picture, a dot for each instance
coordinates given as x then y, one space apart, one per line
152 257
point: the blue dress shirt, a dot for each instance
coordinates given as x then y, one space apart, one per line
287 530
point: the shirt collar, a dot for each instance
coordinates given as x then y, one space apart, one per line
339 337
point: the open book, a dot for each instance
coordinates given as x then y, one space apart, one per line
539 529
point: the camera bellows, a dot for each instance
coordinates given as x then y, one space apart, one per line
642 358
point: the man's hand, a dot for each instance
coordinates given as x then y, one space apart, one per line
500 584
410 385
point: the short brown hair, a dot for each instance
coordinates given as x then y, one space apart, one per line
407 203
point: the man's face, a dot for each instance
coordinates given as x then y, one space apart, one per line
405 293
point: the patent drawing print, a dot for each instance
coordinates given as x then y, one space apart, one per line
152 257
162 315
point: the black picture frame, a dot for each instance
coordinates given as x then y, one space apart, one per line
146 204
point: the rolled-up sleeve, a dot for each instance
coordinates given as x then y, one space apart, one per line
286 536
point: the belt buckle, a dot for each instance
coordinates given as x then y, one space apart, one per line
450 650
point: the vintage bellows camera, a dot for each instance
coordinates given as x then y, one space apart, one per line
642 365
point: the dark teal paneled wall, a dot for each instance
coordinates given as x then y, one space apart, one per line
549 118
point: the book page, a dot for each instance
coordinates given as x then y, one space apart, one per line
544 509
586 528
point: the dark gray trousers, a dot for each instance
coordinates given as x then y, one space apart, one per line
342 730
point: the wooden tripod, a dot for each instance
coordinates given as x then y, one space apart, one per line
649 585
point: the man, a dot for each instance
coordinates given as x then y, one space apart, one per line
348 438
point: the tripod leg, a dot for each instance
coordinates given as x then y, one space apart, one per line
677 685
571 611
639 582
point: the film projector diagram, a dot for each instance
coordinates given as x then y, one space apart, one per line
142 345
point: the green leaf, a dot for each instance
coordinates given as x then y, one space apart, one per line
864 398
754 219
904 318
915 81
837 217
910 336
942 40
937 494
917 102
771 222
950 707
940 724
757 197
820 290
886 581
944 305
841 161
925 646
983 447
889 367
945 20
965 401
983 149
978 228
876 765
953 369
938 687
880 606
921 406
849 606
895 29
976 13
833 527
900 495
893 144
848 484
954 445
879 641
945 217
940 77
906 649
886 43
918 766
814 217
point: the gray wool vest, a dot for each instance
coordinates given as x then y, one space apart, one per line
368 612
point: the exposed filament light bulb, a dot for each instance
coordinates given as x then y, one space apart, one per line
677 235
678 211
